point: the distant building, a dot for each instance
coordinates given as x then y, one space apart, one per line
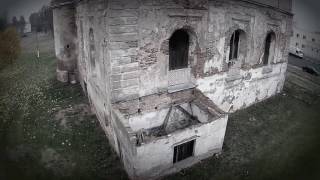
27 28
308 42
306 28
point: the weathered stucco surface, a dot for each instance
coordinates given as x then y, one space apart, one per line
155 159
65 41
119 50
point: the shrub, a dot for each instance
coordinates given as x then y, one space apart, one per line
10 48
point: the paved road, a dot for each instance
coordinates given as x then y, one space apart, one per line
295 61
302 79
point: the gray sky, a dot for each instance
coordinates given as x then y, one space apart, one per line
307 14
22 7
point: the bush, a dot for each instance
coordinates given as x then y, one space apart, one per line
10 48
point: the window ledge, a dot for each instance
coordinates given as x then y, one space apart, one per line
266 70
180 87
232 78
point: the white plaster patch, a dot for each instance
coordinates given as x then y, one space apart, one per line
159 153
241 95
148 120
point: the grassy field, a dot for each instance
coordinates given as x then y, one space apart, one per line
47 131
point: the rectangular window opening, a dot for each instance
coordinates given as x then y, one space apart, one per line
234 43
183 151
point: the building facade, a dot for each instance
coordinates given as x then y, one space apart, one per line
308 42
163 75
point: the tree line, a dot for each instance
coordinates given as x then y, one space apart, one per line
19 24
42 21
10 32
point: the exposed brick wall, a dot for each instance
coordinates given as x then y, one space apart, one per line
154 102
123 44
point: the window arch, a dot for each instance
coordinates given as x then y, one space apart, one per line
178 50
238 46
269 48
92 48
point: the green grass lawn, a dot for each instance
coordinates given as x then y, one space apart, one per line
46 128
47 131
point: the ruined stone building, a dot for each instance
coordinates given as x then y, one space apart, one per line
163 75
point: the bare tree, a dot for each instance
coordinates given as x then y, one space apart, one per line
14 21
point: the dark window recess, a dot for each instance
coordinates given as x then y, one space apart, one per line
183 151
234 45
304 37
178 50
92 48
85 88
298 35
267 48
313 40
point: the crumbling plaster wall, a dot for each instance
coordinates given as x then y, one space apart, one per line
156 118
139 41
139 33
255 81
131 40
209 134
154 159
132 45
249 88
123 38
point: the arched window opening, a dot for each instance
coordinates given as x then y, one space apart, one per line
92 48
178 50
234 44
237 47
269 48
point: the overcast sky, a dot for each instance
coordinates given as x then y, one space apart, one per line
307 12
22 7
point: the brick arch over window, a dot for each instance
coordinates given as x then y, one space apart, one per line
237 47
269 48
179 49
